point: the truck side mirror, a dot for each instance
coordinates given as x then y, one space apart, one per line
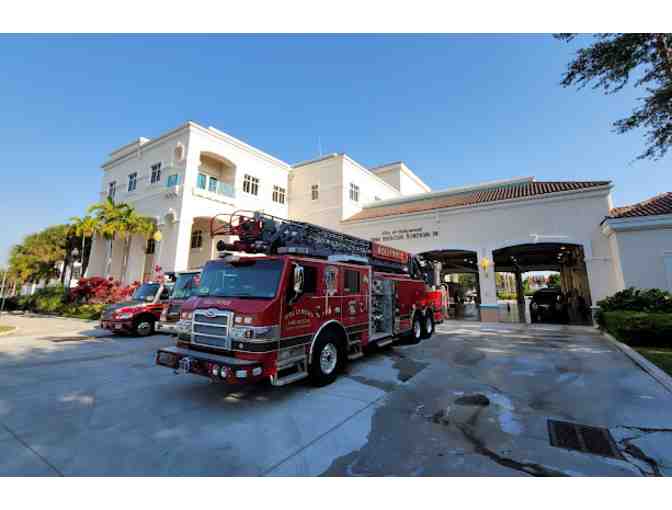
298 280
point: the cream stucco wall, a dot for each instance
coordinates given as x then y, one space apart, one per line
567 218
333 174
645 253
612 261
402 178
175 209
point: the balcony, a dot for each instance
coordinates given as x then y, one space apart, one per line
222 192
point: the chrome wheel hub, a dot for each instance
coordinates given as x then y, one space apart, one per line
417 329
328 359
144 327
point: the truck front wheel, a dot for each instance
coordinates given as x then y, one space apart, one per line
144 326
328 359
416 334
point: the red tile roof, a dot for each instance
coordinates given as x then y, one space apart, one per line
660 204
522 190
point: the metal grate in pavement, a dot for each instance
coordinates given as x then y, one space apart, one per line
583 438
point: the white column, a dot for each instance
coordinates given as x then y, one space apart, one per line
488 286
182 244
97 257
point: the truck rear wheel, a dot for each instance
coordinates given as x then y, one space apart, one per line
327 360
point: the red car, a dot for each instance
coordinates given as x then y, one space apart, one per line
139 315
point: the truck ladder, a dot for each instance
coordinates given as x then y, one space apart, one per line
270 235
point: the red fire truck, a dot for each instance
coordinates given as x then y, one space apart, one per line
290 300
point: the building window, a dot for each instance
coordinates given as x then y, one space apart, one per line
132 181
212 184
156 173
250 185
200 181
151 246
279 194
112 189
196 239
351 281
315 191
354 192
173 180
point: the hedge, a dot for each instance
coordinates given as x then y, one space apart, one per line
49 300
638 300
639 328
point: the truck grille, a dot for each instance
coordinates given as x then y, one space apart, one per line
210 327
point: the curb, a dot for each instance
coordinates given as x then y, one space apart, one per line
54 316
643 363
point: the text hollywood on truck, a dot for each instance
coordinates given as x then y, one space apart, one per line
290 300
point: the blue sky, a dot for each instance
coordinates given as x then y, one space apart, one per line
457 109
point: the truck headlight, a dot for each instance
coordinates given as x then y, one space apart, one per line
186 316
266 332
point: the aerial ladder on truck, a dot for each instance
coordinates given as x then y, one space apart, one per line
261 233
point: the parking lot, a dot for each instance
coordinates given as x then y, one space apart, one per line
473 400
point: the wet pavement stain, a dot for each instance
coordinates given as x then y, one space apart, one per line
408 368
477 399
374 383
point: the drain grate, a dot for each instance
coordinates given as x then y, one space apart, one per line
583 438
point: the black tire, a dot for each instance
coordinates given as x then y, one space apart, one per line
144 326
415 335
319 372
428 325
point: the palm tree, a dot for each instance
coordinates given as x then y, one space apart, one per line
109 217
85 228
134 224
123 222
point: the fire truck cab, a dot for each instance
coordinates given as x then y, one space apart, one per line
291 316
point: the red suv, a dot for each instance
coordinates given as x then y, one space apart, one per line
138 315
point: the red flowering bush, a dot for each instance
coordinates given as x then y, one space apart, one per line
97 290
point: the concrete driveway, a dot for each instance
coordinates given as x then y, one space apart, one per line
473 400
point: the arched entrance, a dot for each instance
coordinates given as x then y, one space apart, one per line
458 275
549 283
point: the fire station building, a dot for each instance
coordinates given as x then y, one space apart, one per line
188 175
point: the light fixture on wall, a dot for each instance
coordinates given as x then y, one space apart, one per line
485 264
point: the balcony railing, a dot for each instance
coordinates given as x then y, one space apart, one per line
222 189
226 189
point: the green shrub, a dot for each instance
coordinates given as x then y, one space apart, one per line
11 304
639 328
638 300
90 311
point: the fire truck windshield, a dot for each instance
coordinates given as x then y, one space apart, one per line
146 292
255 279
185 286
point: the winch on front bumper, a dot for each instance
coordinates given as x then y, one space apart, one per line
216 367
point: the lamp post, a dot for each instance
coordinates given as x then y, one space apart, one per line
3 291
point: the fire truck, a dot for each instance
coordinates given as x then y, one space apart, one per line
288 300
